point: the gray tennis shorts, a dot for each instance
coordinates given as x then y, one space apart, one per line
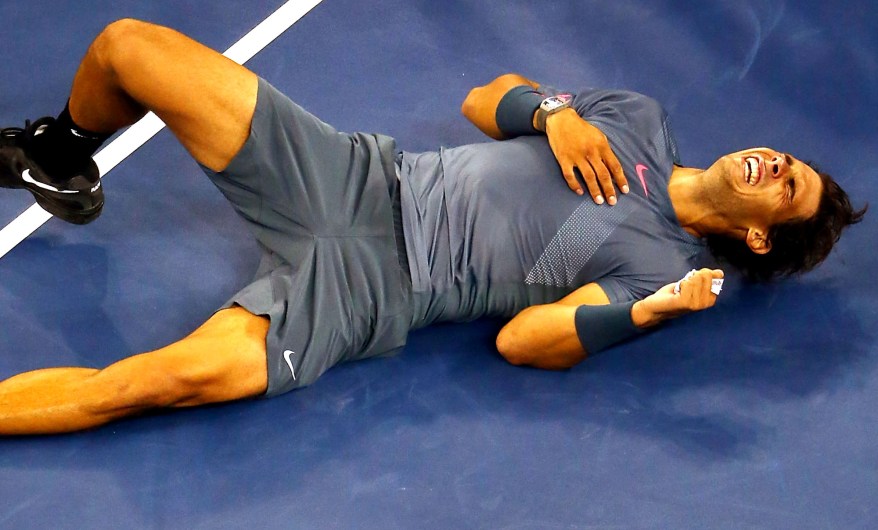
321 204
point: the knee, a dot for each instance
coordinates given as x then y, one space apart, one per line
122 29
117 40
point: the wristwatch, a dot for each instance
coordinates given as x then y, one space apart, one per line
551 105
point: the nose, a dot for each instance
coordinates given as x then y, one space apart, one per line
778 165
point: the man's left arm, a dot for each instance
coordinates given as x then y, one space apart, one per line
551 336
480 105
581 149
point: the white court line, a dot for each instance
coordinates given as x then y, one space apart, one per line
139 133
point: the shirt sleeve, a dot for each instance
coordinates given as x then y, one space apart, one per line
615 291
622 106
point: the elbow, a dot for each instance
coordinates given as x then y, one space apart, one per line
508 81
470 103
510 348
520 352
491 93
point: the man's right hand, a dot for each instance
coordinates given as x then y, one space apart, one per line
694 295
581 147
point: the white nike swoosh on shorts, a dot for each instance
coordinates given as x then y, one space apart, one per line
287 355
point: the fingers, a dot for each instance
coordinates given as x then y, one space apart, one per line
601 179
606 174
615 169
696 291
572 182
591 182
692 293
605 182
583 151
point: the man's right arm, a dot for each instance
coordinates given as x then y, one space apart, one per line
546 336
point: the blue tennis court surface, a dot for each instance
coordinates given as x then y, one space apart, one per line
759 413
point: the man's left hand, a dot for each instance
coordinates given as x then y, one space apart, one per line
581 147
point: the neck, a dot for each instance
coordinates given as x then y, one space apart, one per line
693 202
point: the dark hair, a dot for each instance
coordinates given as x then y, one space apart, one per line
796 246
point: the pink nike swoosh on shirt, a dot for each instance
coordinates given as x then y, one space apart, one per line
640 170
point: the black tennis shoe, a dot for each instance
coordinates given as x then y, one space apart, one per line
76 199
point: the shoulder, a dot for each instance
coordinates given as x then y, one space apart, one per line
650 265
590 100
604 99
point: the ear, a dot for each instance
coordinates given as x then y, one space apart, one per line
757 240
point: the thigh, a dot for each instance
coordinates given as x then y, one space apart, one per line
206 99
344 300
297 177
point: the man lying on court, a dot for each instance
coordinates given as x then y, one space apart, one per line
362 243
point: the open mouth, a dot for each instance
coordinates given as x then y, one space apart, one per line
753 170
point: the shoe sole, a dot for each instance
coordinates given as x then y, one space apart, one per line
61 205
60 210
78 217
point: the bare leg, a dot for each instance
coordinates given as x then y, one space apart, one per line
132 67
207 101
223 360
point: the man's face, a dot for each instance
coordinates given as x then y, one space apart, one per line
761 187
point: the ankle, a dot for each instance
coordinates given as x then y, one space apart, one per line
62 147
80 139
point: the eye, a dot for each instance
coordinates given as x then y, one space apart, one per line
792 188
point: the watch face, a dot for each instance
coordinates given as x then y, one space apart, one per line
555 102
551 105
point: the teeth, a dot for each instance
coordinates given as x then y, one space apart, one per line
752 169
